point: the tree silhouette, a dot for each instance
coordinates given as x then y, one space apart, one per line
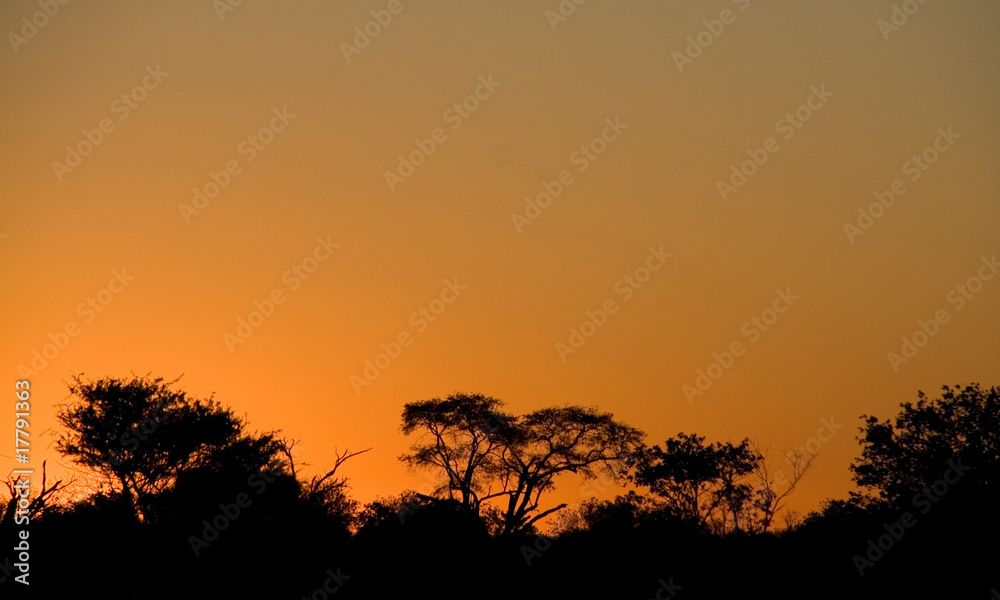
183 509
901 458
720 487
553 441
487 454
768 500
140 436
329 490
465 432
37 505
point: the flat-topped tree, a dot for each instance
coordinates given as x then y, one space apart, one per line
571 439
461 436
487 454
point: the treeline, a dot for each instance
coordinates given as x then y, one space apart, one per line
181 499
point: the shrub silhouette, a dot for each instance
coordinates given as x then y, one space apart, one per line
130 539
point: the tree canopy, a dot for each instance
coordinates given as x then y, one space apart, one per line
140 436
903 456
192 502
723 487
488 454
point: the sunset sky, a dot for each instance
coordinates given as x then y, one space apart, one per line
354 180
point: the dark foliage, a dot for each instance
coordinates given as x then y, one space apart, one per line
292 538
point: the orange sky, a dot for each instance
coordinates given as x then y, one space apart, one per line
613 109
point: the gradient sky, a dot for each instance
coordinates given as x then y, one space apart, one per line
655 184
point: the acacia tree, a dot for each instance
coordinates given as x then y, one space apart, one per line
461 438
553 441
486 454
139 435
